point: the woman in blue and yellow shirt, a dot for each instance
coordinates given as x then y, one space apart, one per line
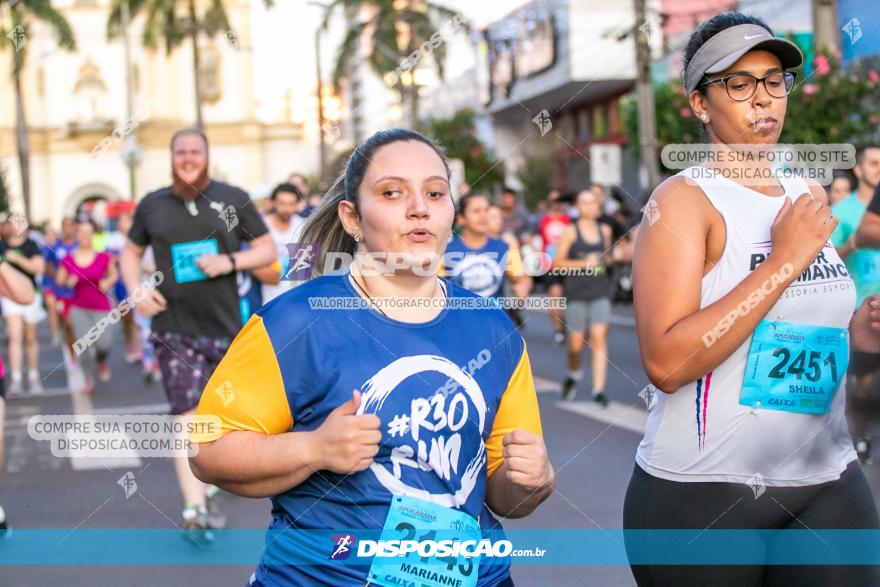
352 418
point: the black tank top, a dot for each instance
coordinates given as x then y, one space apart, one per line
595 282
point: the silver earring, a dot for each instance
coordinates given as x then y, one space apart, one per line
704 118
356 237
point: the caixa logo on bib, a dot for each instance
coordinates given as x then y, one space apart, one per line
439 432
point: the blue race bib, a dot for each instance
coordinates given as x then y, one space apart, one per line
794 367
184 255
415 519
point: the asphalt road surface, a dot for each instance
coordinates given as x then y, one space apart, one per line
591 448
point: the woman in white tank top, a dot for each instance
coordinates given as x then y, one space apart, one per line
742 308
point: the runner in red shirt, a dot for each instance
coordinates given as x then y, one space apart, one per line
551 227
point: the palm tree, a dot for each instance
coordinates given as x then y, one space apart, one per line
397 29
173 22
21 15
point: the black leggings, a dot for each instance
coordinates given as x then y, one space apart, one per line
653 503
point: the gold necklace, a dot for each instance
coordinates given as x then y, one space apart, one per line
370 298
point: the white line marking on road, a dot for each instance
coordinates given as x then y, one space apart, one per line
19 419
545 385
619 414
615 318
82 406
47 392
160 408
623 320
13 412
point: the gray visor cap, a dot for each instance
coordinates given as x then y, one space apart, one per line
725 49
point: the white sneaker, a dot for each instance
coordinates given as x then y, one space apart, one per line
213 502
35 385
15 387
5 530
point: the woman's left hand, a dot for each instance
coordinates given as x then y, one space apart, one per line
526 458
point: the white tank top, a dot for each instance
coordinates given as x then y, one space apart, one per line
701 432
271 291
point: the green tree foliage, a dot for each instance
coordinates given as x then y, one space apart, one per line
458 136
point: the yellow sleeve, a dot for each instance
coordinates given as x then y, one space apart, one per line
246 390
518 410
514 264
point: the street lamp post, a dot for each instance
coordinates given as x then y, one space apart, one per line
645 91
130 155
322 148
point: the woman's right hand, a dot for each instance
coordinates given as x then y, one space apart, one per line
800 230
347 442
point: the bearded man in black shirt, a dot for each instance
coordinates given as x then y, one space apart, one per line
196 228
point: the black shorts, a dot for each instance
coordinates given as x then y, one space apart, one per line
654 503
552 279
861 364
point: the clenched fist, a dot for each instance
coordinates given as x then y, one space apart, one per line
151 303
800 230
214 265
526 458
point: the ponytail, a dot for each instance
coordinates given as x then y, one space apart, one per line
325 228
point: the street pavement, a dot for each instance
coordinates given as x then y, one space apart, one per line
591 448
